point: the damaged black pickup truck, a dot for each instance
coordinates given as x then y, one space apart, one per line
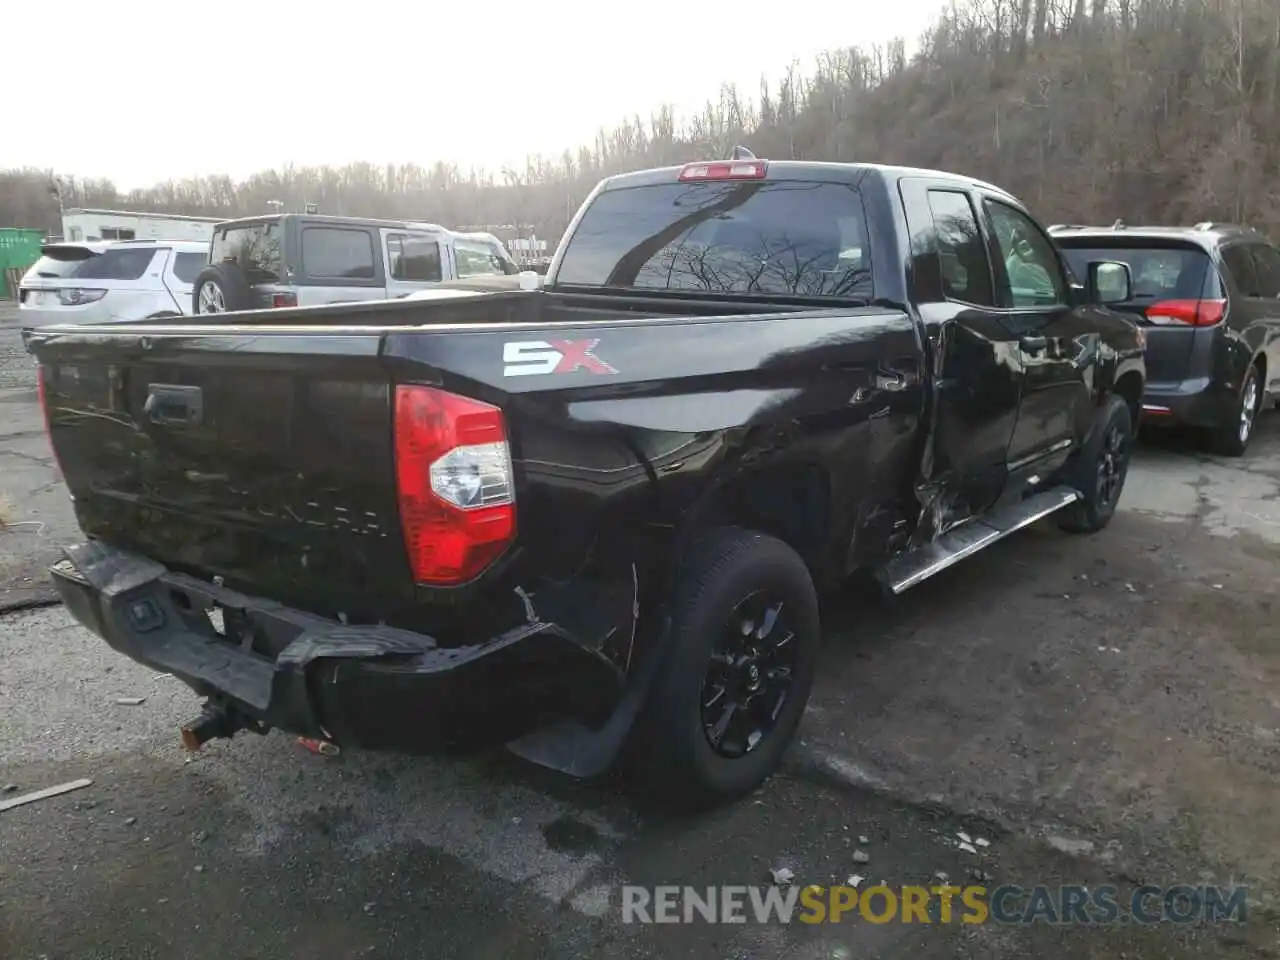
591 521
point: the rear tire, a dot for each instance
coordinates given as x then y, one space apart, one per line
221 288
1231 439
1101 469
744 632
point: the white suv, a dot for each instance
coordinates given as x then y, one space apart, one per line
110 280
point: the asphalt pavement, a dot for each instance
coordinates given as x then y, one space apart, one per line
1098 709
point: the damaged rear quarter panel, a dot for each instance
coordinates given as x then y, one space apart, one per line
669 411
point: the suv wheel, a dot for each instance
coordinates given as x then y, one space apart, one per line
1232 438
210 299
741 663
220 288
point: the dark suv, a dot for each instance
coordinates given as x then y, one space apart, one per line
1208 299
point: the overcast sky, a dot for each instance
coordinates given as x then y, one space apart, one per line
142 91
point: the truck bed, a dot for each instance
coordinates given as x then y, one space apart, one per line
259 449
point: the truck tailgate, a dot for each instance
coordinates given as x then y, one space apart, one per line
266 459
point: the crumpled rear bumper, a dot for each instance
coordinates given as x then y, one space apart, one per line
373 686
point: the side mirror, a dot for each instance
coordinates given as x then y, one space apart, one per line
1109 282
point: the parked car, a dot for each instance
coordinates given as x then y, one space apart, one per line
111 280
292 260
591 520
1208 299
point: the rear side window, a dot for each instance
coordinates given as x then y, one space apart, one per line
1159 272
1242 269
127 263
962 254
187 266
254 248
1266 262
338 253
415 259
782 238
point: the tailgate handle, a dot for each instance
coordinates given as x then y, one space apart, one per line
174 404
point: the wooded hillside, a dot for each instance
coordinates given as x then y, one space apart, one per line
1151 110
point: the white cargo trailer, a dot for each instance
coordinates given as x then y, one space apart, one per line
84 224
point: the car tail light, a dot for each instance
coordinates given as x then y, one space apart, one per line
279 300
726 170
455 484
1193 313
75 296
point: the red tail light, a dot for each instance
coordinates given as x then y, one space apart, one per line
284 300
455 484
1193 313
725 170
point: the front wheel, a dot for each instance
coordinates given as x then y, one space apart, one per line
744 641
1101 469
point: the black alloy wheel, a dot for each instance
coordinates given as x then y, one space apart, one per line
738 656
749 675
1112 463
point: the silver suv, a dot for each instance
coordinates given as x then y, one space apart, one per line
296 260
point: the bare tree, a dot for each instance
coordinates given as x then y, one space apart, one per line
1162 110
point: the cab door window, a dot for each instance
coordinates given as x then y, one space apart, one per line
962 253
1029 273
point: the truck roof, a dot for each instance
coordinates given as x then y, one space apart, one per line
852 173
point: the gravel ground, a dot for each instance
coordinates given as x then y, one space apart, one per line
35 514
1111 696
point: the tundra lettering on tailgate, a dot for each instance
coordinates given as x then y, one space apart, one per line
523 358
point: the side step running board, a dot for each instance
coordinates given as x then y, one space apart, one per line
907 569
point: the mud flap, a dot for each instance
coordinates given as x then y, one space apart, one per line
576 750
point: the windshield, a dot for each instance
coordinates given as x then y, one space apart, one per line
784 238
480 258
1164 273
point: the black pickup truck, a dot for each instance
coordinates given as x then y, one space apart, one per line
591 521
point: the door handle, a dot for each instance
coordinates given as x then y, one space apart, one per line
174 404
890 380
1033 344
